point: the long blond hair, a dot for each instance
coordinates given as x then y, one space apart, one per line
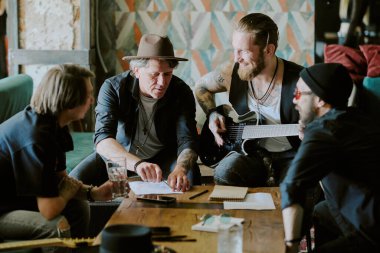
62 87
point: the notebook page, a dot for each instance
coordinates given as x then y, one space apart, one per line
253 201
222 192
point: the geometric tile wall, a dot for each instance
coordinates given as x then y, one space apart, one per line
200 30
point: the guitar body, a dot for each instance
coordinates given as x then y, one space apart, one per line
210 153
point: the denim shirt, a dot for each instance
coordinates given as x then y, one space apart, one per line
117 113
32 151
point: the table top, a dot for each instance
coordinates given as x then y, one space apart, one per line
262 229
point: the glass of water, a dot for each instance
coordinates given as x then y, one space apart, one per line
230 240
117 174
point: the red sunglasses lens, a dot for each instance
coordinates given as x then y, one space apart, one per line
297 94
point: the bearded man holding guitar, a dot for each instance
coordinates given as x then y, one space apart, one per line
260 82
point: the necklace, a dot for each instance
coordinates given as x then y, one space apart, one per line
262 100
147 122
147 126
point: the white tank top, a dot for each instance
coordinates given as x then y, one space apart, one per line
269 111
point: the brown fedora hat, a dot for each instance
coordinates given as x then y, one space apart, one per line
154 46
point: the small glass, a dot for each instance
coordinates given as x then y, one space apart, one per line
230 240
117 174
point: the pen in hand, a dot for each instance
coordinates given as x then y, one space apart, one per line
198 194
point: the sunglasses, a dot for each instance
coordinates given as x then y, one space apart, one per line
297 94
208 219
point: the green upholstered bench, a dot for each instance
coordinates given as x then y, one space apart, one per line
83 147
15 94
370 97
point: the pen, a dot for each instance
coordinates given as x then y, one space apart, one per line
198 194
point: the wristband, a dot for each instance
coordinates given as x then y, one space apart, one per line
137 164
88 193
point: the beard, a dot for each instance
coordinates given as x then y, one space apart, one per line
250 71
307 115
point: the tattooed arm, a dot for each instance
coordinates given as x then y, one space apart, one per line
177 179
213 82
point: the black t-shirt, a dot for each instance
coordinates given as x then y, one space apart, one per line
32 150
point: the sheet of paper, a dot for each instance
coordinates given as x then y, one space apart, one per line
140 188
216 224
254 201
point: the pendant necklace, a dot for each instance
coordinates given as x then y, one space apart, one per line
262 100
147 126
147 121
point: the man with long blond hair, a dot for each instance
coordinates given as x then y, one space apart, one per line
38 199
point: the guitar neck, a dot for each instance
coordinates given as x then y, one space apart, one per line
49 242
266 131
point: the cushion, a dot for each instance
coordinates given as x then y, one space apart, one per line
15 94
370 97
83 147
372 55
352 59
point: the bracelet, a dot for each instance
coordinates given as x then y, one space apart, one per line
137 164
296 240
88 193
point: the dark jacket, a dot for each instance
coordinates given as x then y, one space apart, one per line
117 113
340 149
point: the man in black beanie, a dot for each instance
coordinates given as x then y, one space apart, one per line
340 149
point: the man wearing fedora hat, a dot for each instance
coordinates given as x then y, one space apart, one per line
257 81
146 115
340 149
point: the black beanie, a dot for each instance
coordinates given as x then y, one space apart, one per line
329 81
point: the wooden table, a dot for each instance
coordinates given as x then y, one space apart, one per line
263 230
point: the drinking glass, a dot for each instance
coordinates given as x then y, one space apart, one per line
117 174
230 240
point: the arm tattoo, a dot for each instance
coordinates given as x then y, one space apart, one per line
212 83
220 80
187 159
205 99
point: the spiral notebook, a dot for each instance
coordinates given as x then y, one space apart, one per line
232 193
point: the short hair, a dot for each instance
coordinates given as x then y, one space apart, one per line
141 63
62 87
263 29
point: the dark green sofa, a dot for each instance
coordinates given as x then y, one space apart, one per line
83 147
15 94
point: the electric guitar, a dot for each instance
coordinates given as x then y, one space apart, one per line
241 136
49 242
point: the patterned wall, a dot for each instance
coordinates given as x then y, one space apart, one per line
200 30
